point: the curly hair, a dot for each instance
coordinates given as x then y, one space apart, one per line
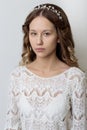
64 50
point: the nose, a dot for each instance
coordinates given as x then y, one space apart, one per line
39 40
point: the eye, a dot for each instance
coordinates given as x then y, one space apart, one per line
33 33
46 34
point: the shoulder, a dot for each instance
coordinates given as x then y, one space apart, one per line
76 76
16 77
76 72
77 80
16 72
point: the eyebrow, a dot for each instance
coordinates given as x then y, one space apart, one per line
43 30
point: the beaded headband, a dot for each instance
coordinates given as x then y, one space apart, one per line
58 13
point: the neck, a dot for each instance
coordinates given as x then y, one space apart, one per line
46 64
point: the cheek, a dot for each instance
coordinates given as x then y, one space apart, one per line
53 42
32 41
51 46
54 39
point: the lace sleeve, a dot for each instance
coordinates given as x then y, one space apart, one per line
12 117
79 103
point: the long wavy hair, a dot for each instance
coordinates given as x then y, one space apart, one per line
65 49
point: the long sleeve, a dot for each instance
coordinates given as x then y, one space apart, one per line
79 103
12 117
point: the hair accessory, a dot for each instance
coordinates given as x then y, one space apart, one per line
58 13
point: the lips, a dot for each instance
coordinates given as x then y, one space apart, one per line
39 49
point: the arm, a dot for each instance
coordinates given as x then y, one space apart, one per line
79 103
12 117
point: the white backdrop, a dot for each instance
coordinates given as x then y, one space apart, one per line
12 16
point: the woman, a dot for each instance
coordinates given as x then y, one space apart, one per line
48 89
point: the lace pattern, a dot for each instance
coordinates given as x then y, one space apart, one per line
54 103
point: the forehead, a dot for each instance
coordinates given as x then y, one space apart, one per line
41 22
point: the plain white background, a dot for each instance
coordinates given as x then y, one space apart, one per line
12 16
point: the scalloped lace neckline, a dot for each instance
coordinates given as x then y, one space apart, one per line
49 77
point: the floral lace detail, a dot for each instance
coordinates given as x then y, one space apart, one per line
54 103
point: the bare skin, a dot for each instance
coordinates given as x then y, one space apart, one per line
48 69
44 39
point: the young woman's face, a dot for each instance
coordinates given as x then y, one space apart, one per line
43 37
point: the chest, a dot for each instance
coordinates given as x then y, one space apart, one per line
44 97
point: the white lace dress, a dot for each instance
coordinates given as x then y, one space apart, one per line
54 103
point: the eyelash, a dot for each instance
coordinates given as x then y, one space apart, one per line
34 34
47 33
